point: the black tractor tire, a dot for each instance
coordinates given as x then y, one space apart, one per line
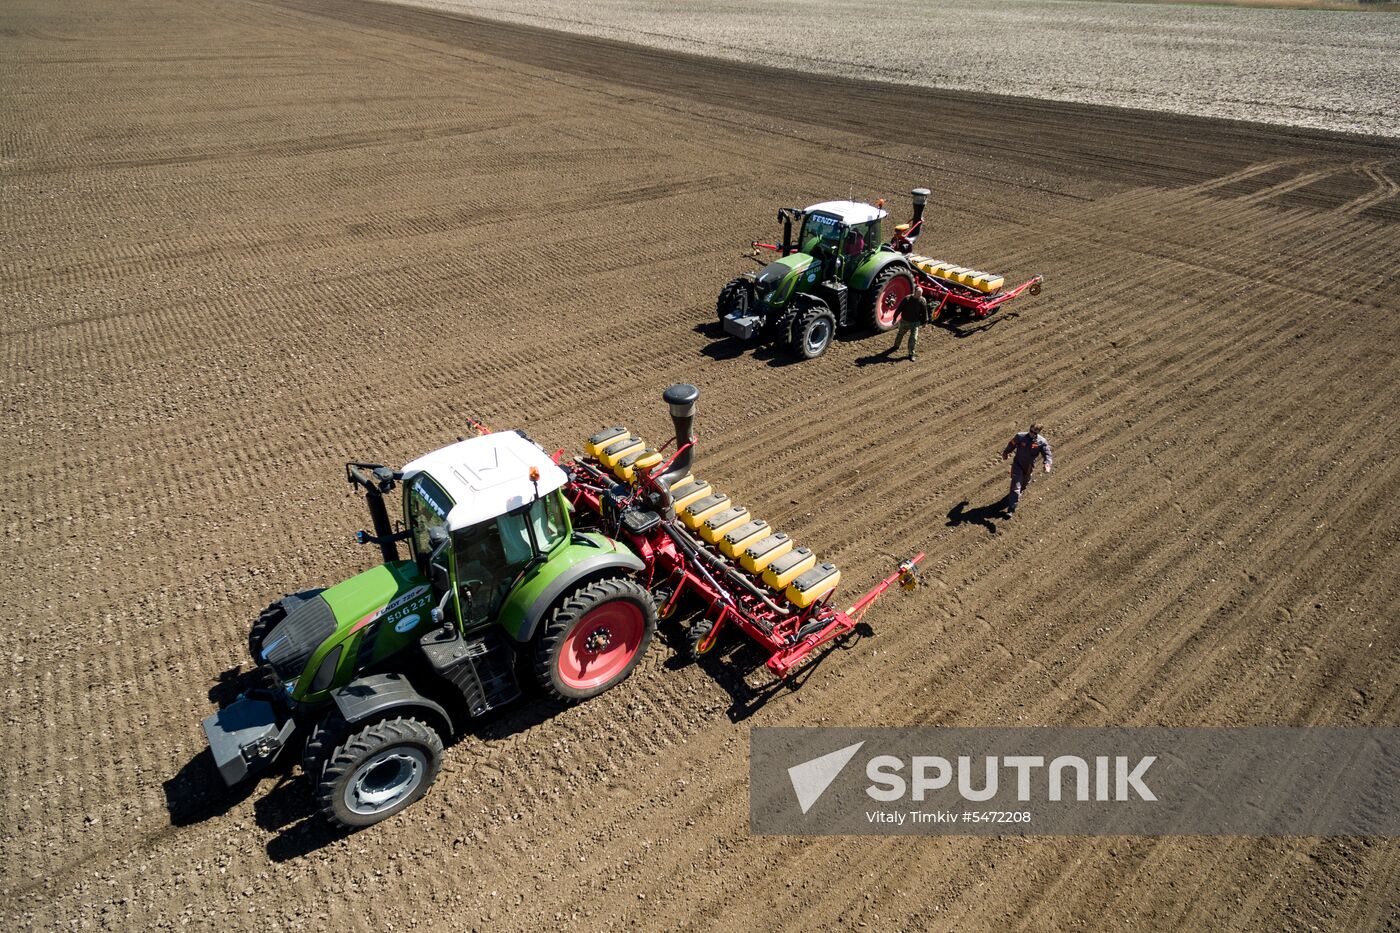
695 636
778 327
270 618
875 294
605 625
378 771
813 329
267 620
320 742
737 295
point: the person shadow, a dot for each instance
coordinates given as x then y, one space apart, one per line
983 515
886 355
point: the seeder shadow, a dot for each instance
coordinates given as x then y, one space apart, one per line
735 660
956 324
983 515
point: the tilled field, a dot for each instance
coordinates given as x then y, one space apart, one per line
248 241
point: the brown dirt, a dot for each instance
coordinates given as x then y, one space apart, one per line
246 241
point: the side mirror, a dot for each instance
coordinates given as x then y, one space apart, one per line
438 574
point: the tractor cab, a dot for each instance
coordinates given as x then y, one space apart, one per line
480 513
839 233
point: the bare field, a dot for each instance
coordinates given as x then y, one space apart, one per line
246 241
1296 67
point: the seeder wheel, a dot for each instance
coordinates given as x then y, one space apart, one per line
697 638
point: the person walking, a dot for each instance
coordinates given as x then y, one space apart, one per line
911 314
1024 448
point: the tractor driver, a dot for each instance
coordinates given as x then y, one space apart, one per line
861 238
855 242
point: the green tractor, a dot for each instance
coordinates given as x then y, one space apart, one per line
368 677
838 272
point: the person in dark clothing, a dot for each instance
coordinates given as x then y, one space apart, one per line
911 314
1024 448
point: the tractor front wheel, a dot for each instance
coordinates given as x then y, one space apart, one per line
270 618
737 295
886 293
813 331
594 639
378 771
321 741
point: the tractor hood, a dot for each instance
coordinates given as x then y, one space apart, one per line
371 613
360 598
775 281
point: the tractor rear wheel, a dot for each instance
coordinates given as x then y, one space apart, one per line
886 293
737 295
378 771
594 639
813 330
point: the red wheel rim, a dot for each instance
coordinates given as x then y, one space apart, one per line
892 296
601 645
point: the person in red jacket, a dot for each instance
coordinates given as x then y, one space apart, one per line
1024 448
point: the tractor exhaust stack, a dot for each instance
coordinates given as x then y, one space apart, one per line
920 198
681 397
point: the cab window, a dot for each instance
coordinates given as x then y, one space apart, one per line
821 231
863 237
483 573
427 506
545 516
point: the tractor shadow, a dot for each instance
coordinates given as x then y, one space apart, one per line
283 802
983 515
289 809
196 792
724 347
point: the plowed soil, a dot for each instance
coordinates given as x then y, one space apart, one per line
247 241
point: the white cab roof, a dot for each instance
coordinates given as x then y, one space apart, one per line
487 476
851 212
